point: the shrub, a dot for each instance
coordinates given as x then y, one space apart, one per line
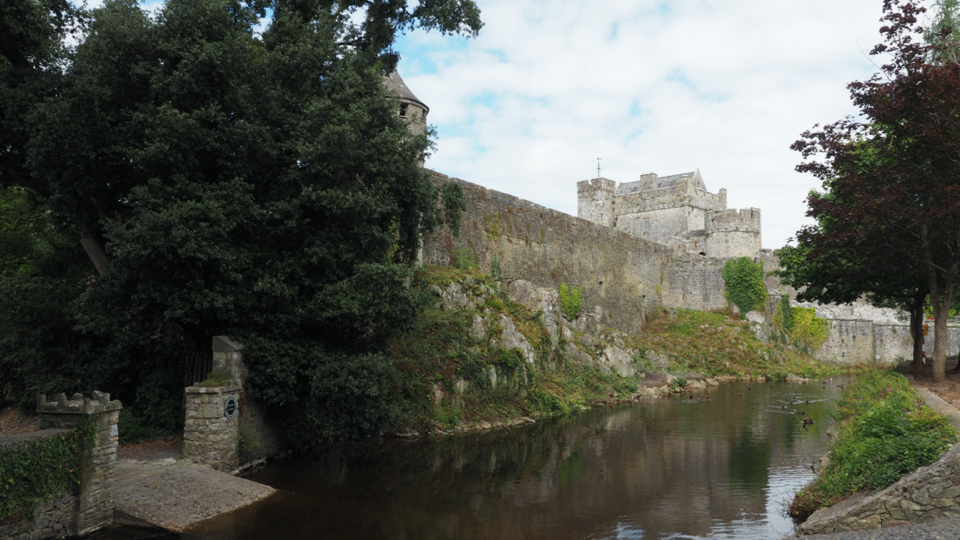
745 286
799 325
572 300
465 259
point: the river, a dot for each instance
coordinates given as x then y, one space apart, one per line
672 468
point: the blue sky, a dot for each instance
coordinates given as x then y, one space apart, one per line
649 86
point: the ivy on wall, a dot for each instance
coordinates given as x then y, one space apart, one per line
799 325
571 298
744 281
42 470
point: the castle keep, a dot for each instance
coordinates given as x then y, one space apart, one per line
676 211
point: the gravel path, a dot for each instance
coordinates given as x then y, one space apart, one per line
943 529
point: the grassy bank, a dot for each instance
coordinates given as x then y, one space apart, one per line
451 373
719 343
885 432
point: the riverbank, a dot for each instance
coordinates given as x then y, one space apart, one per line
890 464
492 353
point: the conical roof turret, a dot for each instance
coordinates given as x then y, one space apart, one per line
399 89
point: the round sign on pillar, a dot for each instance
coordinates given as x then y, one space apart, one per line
230 407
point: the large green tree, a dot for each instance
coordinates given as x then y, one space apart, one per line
224 179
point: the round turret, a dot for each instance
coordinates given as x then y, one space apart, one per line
412 110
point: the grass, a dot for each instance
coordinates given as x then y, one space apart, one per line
885 432
718 343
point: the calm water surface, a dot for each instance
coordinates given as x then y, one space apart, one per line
668 468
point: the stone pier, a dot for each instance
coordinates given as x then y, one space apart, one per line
211 428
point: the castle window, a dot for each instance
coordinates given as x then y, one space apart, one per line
403 110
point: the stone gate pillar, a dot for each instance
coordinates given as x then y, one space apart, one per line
96 471
211 432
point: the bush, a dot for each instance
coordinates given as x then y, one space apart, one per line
322 395
886 432
745 286
465 259
799 325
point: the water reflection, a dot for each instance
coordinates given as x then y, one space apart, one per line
671 468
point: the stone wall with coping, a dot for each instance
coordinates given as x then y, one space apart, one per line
928 493
209 437
92 509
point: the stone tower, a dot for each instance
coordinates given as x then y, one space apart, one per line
412 110
675 211
733 233
595 201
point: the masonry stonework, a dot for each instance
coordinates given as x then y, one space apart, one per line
92 509
676 211
928 493
209 436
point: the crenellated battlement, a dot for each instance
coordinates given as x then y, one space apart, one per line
743 220
675 211
596 201
77 404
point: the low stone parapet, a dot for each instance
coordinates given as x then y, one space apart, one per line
92 509
931 492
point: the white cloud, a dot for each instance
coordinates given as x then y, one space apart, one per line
663 87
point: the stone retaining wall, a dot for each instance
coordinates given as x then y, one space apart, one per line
928 493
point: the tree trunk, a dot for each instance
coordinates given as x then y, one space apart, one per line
97 256
941 339
916 328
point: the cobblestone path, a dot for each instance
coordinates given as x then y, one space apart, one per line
176 494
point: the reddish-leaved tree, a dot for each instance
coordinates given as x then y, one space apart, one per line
893 174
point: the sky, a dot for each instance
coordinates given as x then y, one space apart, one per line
657 86
648 86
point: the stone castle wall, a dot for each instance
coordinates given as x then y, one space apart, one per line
694 283
623 275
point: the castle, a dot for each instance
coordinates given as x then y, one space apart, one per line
660 242
676 211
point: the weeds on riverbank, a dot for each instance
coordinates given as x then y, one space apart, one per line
447 372
451 373
885 432
719 343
